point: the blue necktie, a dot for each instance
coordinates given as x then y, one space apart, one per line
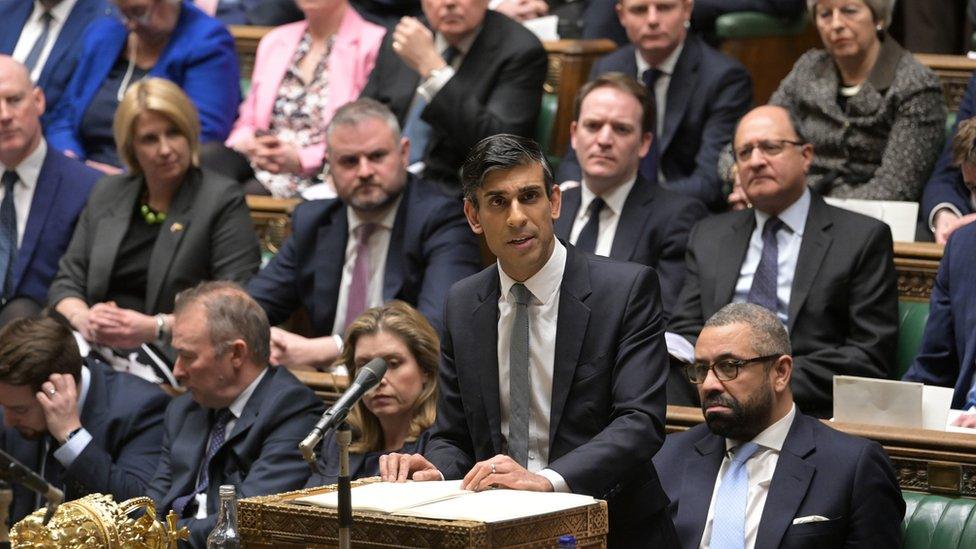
587 238
729 519
181 504
519 386
8 230
764 284
648 164
35 52
414 128
971 397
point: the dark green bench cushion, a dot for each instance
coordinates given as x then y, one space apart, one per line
912 316
938 522
749 24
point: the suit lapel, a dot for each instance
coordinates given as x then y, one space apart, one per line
736 243
71 31
330 256
109 234
484 323
813 250
8 42
188 448
632 224
789 485
97 398
567 215
697 486
170 235
250 412
571 322
393 273
48 182
680 90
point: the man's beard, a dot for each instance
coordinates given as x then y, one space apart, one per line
745 421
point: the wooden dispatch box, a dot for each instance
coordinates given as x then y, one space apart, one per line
273 521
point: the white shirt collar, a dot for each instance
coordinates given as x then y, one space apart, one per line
237 407
59 13
85 385
772 437
386 221
30 168
614 198
544 283
666 66
795 216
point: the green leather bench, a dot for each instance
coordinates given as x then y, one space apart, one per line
545 124
912 316
938 522
748 24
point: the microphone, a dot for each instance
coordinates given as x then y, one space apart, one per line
369 376
15 471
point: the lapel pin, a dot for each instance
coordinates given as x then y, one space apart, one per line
176 227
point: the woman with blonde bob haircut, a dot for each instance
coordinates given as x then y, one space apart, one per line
149 233
395 416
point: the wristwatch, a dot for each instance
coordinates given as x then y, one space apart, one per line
162 330
71 435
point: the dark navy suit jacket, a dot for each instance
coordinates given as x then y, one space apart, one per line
200 58
653 231
820 471
259 456
707 95
124 415
267 13
949 344
608 388
60 196
946 184
431 247
60 64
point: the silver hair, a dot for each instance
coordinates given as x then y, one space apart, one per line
360 110
769 336
231 314
881 9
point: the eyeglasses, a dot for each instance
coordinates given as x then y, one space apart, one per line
139 17
768 148
725 370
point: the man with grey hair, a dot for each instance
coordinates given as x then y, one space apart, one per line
388 235
240 421
759 474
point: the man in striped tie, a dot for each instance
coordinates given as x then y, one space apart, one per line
758 474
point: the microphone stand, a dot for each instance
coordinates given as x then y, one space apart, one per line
344 438
14 471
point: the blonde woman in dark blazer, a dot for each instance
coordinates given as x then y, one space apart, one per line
149 233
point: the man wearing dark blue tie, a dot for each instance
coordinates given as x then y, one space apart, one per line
826 272
758 474
553 364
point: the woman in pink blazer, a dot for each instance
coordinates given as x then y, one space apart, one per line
303 72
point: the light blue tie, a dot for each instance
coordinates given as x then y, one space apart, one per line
971 396
414 127
35 52
728 524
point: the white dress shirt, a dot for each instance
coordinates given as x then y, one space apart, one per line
379 246
543 312
32 31
660 89
28 171
788 240
429 87
236 409
609 215
760 467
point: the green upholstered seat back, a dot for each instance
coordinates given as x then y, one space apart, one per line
938 522
545 124
912 316
749 24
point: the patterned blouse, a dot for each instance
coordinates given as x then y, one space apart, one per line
297 117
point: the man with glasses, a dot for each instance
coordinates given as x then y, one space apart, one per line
827 273
758 473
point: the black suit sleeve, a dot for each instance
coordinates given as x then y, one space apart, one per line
686 317
671 262
877 506
72 277
872 327
275 287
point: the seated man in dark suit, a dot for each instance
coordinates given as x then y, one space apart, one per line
387 236
472 74
758 473
947 200
240 421
699 94
827 273
81 425
615 212
265 13
46 35
49 192
553 365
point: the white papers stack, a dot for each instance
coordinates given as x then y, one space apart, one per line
900 216
892 403
447 501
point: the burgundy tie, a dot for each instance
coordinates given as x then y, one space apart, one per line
359 285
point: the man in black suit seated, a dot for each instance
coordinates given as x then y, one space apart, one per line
81 425
758 473
699 94
265 13
472 74
240 420
827 273
388 235
553 364
615 212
